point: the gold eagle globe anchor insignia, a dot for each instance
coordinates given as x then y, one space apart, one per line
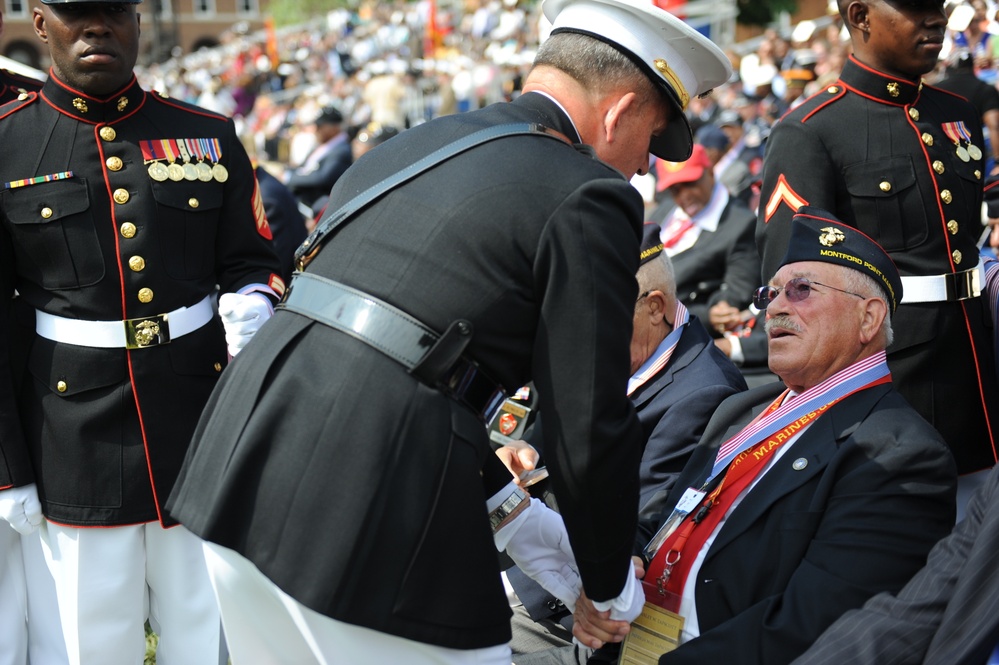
146 332
831 236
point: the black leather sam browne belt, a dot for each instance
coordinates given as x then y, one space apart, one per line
436 359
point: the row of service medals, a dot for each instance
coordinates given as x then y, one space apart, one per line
958 133
184 159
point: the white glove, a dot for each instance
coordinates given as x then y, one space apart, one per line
242 315
629 603
538 543
20 506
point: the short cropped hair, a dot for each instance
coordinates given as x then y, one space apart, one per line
596 65
657 275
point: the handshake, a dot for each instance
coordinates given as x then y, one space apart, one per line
536 539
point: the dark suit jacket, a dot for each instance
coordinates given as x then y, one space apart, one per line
876 491
948 614
674 406
309 187
721 265
358 489
888 169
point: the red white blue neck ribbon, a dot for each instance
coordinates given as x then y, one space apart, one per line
663 352
858 376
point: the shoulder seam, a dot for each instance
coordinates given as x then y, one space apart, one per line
20 104
821 105
190 108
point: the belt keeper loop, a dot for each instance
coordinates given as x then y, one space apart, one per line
444 353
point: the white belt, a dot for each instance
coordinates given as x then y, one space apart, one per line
938 288
137 333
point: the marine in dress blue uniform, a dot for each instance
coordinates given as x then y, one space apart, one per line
121 214
901 161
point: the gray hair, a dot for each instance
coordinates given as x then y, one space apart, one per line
657 275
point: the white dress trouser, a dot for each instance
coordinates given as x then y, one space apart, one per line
266 626
13 607
106 582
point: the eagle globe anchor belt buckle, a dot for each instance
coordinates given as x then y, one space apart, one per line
436 359
138 333
147 331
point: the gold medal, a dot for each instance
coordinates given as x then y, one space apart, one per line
962 154
176 172
974 151
190 171
220 172
204 172
158 171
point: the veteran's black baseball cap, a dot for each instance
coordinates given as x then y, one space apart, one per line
651 246
817 235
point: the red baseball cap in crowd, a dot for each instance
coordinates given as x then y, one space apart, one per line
670 173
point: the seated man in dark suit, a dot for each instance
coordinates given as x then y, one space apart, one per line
798 504
948 614
312 181
709 236
678 379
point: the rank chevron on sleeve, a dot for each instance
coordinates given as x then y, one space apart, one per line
783 193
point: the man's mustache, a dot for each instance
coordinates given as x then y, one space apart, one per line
783 322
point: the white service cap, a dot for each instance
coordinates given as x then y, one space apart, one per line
673 54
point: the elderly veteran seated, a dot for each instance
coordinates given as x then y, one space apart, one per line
802 500
678 379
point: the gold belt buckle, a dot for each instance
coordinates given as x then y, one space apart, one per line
147 331
963 285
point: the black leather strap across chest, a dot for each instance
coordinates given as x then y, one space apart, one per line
337 218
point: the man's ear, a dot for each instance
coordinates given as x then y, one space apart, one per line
657 305
38 23
875 311
616 112
857 14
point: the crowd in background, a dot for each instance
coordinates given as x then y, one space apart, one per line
377 65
